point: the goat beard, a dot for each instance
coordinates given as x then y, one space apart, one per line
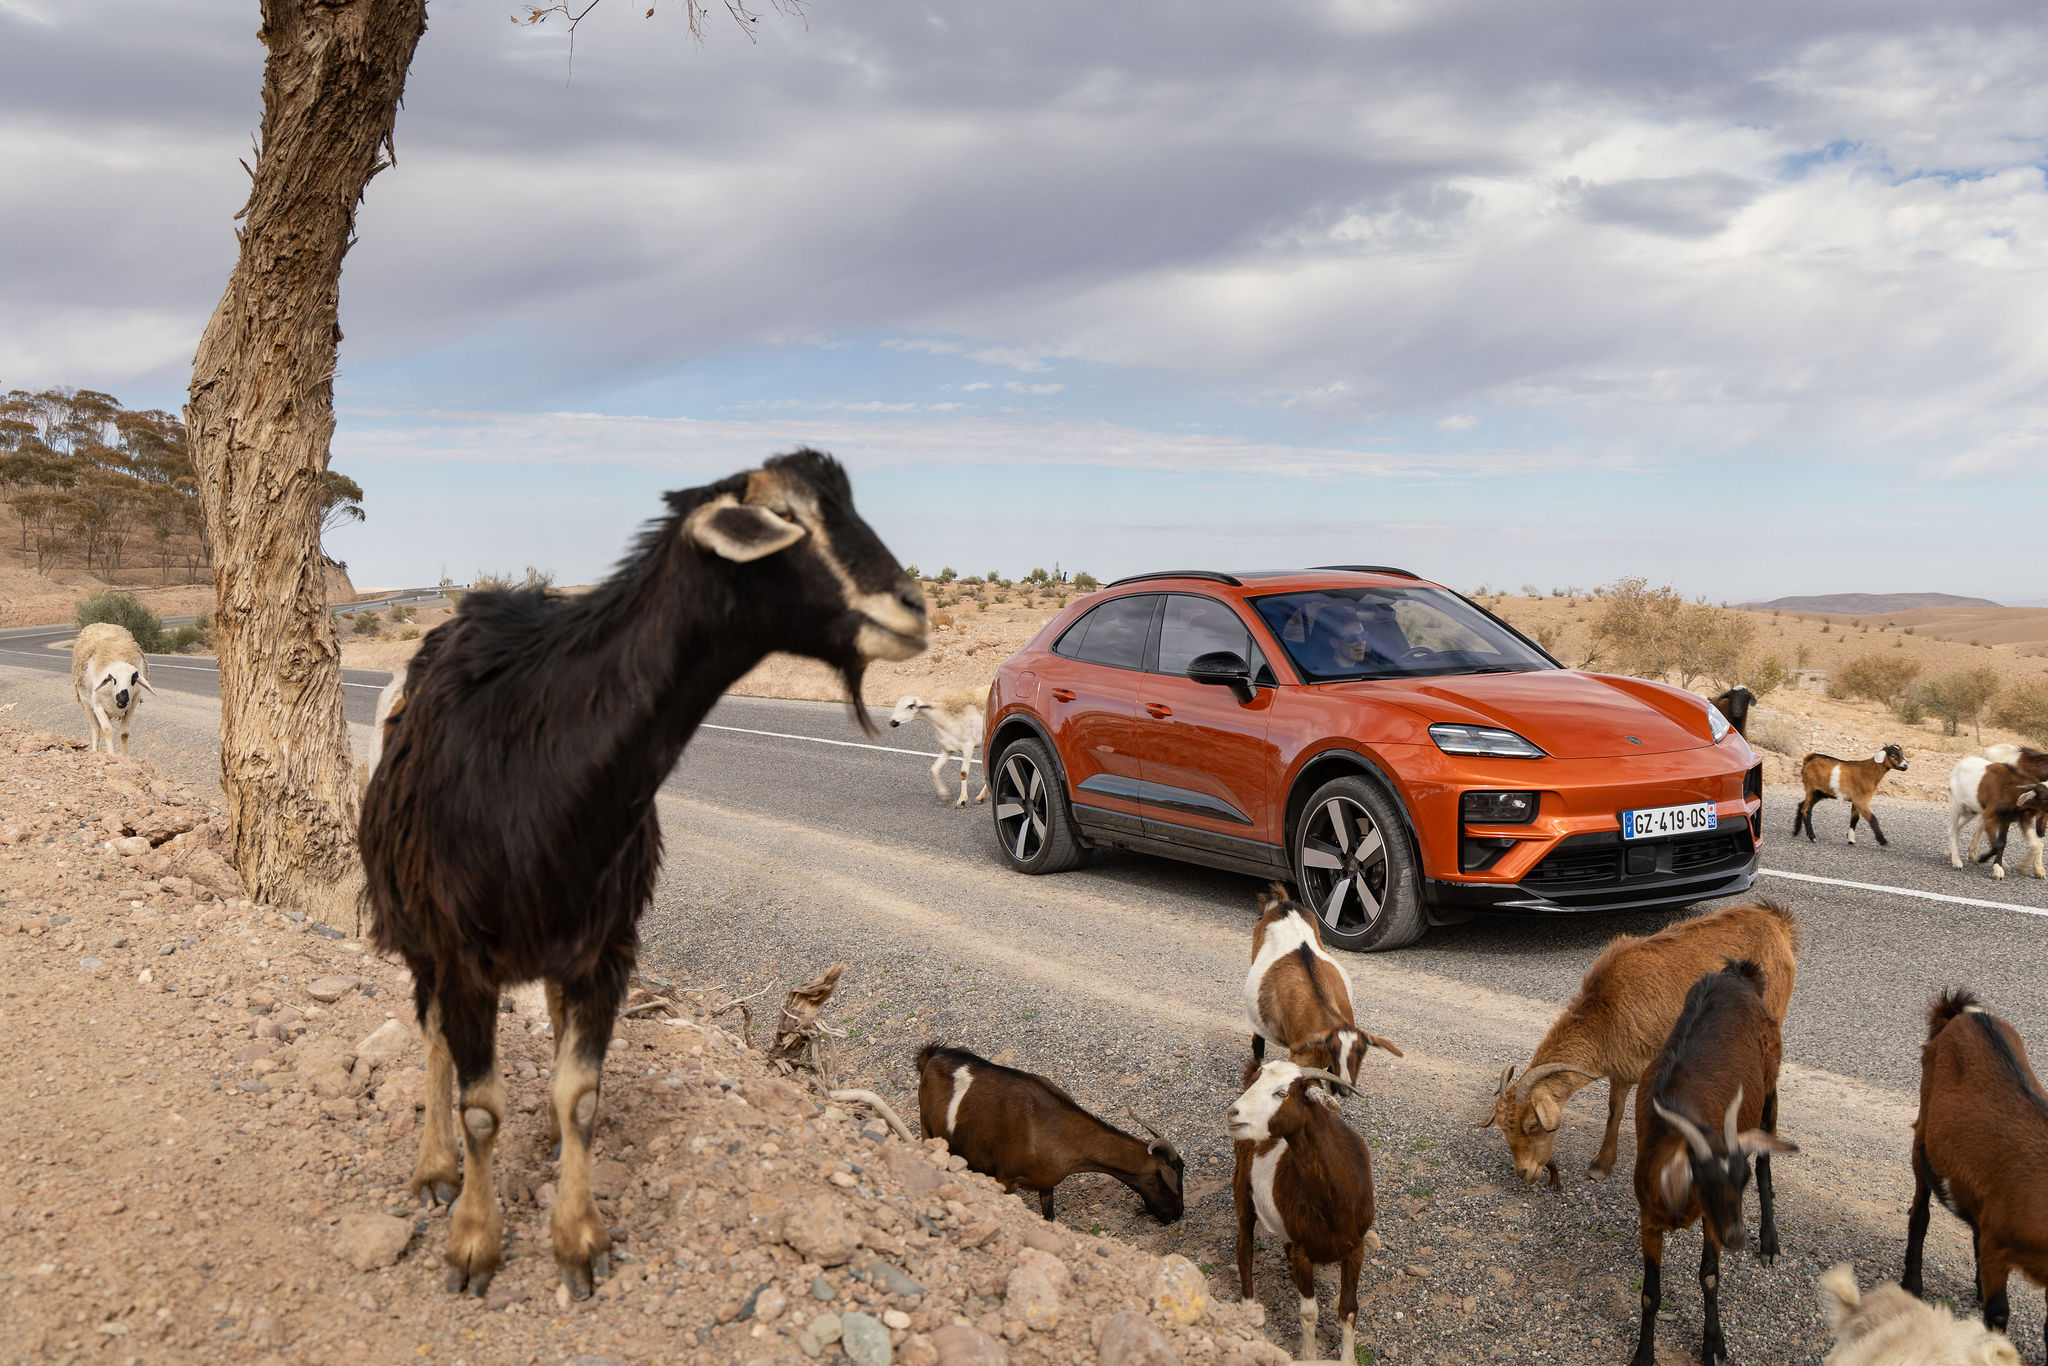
852 674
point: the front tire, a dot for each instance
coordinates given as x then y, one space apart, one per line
1034 828
1355 870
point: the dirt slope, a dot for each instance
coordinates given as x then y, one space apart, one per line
212 1125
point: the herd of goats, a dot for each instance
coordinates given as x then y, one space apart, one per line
491 863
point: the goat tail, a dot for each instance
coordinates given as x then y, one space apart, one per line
1946 1007
925 1054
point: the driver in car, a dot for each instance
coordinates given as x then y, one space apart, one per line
1356 637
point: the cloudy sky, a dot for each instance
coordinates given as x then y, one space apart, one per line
1749 297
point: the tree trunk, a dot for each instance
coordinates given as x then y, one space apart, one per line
260 415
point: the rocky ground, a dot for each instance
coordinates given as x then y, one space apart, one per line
211 1114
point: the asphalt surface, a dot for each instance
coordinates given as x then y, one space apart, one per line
795 841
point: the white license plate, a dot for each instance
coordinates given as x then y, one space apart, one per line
1662 822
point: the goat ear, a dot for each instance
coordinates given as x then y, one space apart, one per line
741 532
1674 1183
1754 1141
1548 1112
1377 1042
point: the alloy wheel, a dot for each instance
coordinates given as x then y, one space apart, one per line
1343 865
1023 803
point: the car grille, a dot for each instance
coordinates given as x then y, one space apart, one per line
1594 860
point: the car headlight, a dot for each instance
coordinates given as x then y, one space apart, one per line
1717 723
1486 741
1497 808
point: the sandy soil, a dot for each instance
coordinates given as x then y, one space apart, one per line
31 599
212 1129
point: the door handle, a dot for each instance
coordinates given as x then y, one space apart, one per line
1159 710
1062 694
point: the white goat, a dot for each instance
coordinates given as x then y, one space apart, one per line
1888 1327
109 675
388 703
958 720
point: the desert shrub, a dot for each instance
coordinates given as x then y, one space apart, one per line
1084 582
534 578
1763 674
409 633
2024 707
942 618
947 575
1548 636
1779 734
402 612
125 609
1654 633
1959 697
1039 576
1910 709
1804 656
1002 597
368 624
1874 678
197 632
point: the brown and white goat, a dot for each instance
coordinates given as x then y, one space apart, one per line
509 830
1998 797
1854 781
1619 1020
1980 1144
1299 997
1305 1176
1888 1327
1713 1105
1025 1130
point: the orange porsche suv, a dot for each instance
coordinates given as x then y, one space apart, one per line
1399 753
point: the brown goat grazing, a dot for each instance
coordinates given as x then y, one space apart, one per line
1980 1143
509 830
1299 997
1855 781
1998 797
1305 1176
1024 1130
1735 704
1713 1105
1620 1018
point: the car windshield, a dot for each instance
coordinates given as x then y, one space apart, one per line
1343 633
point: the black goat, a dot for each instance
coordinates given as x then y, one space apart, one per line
1735 704
509 831
1720 1064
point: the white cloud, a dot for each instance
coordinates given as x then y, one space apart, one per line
929 345
1014 387
976 387
1459 422
1017 358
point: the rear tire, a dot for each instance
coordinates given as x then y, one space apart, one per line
1034 828
1355 869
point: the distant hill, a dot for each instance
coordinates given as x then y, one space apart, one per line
1866 603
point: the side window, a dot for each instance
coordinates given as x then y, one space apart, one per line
1115 633
1195 626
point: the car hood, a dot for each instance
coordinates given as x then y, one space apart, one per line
1570 715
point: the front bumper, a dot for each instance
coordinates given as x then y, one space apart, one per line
1597 871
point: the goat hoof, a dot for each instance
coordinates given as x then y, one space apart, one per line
461 1282
601 1267
578 1280
446 1192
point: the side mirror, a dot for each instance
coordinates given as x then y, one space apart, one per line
1226 669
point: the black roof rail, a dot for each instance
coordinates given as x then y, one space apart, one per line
1210 574
1371 569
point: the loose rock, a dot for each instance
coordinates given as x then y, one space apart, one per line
957 1344
865 1340
1179 1290
368 1241
1131 1339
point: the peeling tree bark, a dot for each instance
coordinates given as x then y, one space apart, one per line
260 415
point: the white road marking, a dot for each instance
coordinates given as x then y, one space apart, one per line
1905 891
821 740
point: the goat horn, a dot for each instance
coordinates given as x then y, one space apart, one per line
1733 1105
1548 1069
1318 1074
1159 1141
1507 1074
1694 1139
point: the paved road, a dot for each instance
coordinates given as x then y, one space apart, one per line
49 648
796 841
